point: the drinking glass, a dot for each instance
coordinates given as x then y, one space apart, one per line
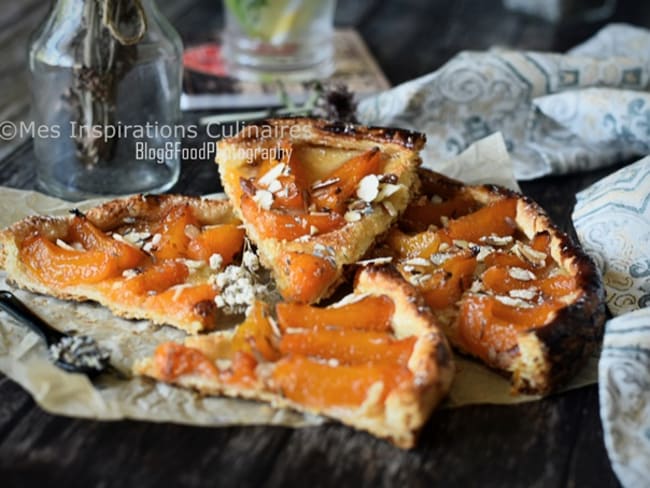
279 39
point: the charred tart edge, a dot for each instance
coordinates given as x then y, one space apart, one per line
562 346
106 216
338 132
406 409
352 241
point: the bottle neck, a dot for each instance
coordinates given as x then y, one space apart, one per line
126 21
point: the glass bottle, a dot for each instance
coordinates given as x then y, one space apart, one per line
106 81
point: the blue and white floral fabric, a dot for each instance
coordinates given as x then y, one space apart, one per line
612 219
558 113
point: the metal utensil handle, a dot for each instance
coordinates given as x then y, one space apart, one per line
18 310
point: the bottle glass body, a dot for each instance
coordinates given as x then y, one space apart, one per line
106 114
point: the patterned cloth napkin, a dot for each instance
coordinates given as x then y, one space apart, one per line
557 112
612 219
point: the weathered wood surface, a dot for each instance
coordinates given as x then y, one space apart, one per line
554 442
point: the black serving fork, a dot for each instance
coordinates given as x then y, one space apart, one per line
72 353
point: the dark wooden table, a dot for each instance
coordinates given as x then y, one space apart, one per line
554 442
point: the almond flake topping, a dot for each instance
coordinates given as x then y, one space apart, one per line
352 216
192 231
318 184
418 279
64 245
440 257
387 190
484 252
178 290
368 188
390 208
272 174
130 273
525 294
527 253
367 262
521 274
477 286
436 199
263 198
417 262
513 302
153 243
349 299
275 186
136 238
192 263
120 238
274 325
495 240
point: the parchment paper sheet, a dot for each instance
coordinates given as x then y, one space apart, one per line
23 356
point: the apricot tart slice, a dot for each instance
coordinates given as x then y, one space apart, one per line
314 196
375 360
506 285
144 257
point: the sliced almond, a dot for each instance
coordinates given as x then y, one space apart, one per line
513 302
352 216
527 253
524 294
275 186
521 274
417 262
192 231
317 185
368 188
64 245
271 175
495 240
263 198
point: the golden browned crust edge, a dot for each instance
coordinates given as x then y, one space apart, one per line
106 216
553 353
406 409
338 132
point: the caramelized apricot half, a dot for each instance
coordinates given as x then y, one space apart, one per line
348 346
255 334
488 327
174 237
227 240
287 225
319 385
62 267
346 179
372 313
420 215
309 276
497 218
92 238
155 278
